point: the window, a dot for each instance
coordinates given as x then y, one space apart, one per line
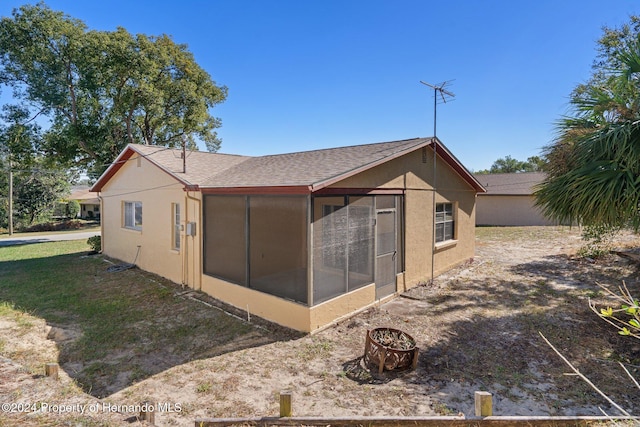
133 215
445 224
175 212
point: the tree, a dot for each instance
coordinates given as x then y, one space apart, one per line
102 90
594 171
72 209
20 139
37 193
510 165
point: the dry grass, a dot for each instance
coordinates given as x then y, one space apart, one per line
477 328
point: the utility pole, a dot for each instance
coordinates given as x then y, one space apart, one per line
444 95
10 200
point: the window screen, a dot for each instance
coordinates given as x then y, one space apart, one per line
360 241
176 225
225 251
329 248
133 215
343 245
444 222
278 246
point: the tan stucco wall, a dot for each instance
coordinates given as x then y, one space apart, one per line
509 211
336 308
288 313
140 181
413 173
267 306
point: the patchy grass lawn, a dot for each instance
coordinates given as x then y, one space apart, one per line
131 336
112 329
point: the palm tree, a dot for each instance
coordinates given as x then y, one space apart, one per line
594 163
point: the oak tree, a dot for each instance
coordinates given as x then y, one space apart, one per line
101 90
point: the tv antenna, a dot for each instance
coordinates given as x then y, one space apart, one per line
445 95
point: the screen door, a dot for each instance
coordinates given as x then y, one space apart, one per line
385 252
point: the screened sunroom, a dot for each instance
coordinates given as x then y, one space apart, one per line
308 249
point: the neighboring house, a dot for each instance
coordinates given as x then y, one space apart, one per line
301 239
89 203
509 200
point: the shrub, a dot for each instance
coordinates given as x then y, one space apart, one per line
73 209
95 243
54 226
598 240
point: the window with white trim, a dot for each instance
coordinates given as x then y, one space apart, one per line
175 213
132 215
445 222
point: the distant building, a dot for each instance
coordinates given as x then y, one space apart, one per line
89 203
509 200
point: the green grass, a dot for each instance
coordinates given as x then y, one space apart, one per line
84 229
121 317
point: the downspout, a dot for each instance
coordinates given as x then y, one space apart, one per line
101 223
196 272
435 176
183 245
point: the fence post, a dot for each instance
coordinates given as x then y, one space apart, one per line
483 403
147 413
285 404
51 370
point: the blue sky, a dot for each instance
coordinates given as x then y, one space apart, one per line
304 75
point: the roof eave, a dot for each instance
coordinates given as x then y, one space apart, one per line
317 186
112 169
266 189
122 158
440 149
458 166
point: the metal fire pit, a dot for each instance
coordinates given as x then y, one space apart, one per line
390 349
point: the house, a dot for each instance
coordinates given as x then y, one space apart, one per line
301 239
89 203
509 200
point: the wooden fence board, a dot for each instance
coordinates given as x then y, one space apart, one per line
495 421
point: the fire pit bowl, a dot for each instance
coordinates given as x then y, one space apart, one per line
390 349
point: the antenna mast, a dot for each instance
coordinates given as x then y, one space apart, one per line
445 94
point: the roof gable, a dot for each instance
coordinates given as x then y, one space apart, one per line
306 171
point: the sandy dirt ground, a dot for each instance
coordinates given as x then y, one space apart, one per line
477 327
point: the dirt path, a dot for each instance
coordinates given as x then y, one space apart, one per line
477 328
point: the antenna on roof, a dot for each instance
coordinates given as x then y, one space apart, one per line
445 95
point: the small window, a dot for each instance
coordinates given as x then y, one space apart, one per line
133 215
445 223
175 212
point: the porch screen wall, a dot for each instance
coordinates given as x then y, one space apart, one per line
343 245
225 253
329 248
361 241
278 246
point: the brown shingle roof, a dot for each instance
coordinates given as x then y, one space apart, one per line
201 165
84 195
308 169
510 184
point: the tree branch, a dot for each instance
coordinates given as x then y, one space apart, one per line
585 379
